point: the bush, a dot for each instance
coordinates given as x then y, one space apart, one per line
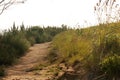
111 66
7 54
13 44
18 42
109 44
31 40
42 34
112 43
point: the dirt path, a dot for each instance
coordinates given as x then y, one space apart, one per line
21 71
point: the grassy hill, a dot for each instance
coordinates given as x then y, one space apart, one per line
95 51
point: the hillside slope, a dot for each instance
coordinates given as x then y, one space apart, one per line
93 52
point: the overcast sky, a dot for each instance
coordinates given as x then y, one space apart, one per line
50 12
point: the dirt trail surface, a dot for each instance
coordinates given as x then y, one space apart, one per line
23 69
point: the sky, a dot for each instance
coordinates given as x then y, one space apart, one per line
74 13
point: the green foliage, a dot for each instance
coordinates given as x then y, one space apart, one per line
36 34
7 54
112 43
111 65
13 44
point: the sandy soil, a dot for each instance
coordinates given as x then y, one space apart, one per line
21 70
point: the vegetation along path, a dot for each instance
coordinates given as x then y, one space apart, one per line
24 69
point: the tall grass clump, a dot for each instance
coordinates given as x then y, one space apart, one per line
90 47
71 48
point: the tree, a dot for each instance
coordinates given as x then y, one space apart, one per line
107 11
5 4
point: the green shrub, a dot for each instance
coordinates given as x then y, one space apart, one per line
7 54
44 34
13 44
111 66
31 40
112 43
18 42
